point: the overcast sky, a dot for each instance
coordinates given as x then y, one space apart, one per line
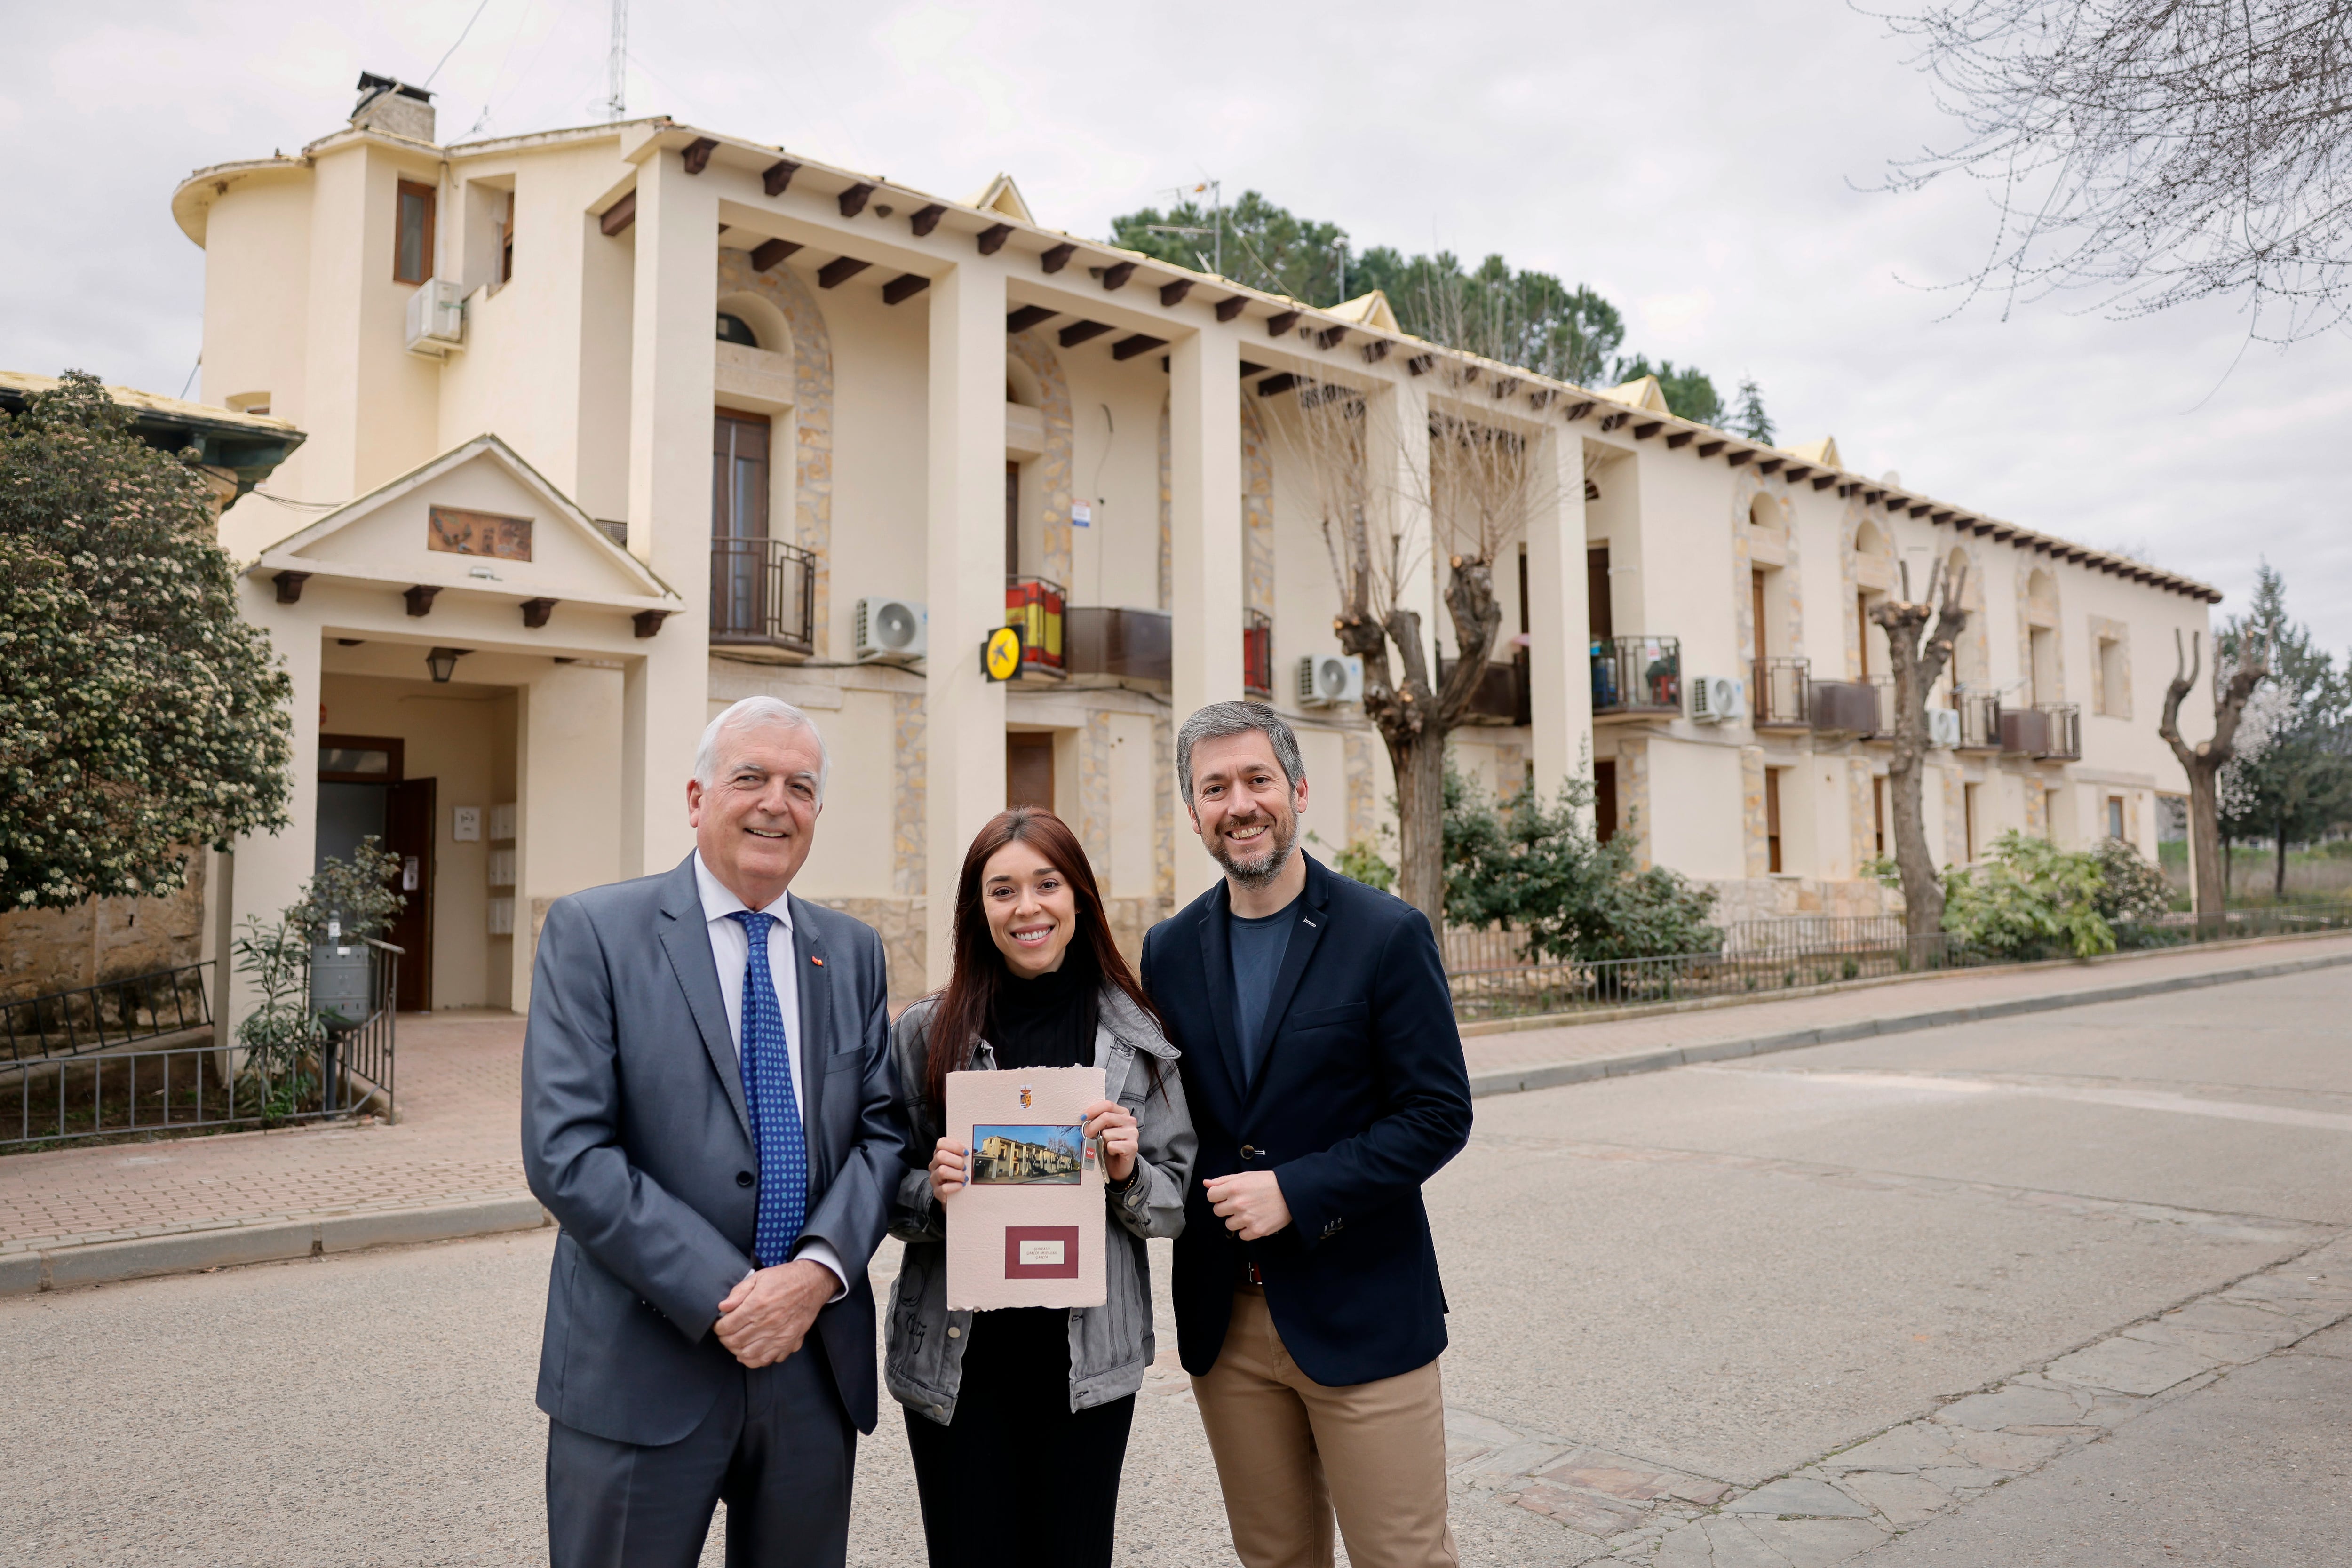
1707 167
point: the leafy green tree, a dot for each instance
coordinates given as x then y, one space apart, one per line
1532 319
1539 870
1749 418
2027 896
2291 779
1688 392
140 715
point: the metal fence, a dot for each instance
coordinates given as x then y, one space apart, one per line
1493 975
109 1016
81 1086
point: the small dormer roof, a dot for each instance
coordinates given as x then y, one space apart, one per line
1001 194
1366 311
1822 453
1642 392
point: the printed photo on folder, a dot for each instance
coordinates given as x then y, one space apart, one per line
1027 1230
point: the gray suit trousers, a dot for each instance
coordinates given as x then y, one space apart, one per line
777 1447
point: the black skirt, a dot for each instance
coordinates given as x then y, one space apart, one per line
1018 1472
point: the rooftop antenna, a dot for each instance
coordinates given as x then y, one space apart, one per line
616 67
1216 235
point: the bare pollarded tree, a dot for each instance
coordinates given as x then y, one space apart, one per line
1482 480
2157 152
1917 654
2203 761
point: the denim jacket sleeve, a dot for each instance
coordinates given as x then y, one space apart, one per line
1153 1203
915 1214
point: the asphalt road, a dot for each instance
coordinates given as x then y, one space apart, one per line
1733 1271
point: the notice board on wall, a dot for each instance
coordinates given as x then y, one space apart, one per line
1027 1227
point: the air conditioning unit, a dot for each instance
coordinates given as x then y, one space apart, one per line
1719 700
1943 726
1328 680
889 629
437 320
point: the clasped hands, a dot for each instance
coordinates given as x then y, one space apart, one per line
764 1319
1106 1119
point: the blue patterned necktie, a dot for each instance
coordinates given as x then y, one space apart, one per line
768 1094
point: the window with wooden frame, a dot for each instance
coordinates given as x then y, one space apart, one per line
1772 820
506 242
412 250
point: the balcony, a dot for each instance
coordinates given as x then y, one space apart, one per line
1981 719
1636 676
2061 740
1034 607
1257 654
1781 694
1847 708
1123 643
1501 695
2024 731
762 594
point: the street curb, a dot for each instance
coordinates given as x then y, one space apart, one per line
110 1262
1514 1081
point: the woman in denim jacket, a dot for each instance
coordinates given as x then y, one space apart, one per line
1018 1419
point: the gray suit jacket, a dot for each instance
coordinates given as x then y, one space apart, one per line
635 1138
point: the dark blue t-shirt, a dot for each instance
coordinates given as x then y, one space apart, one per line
1258 946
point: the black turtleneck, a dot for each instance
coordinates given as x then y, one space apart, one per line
1048 1022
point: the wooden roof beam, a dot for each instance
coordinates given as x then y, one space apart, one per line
1377 351
1679 439
1232 306
1172 294
1279 382
1077 332
1611 421
1330 337
769 252
698 155
903 287
1028 316
1736 458
1421 364
1770 465
1644 431
1054 260
1576 411
776 176
1141 344
840 271
1709 448
853 200
993 237
1114 275
1280 323
620 214
922 220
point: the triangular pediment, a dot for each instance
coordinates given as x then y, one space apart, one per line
477 517
1640 393
1002 196
1822 453
1366 311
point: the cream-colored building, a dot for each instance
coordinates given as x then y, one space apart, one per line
548 519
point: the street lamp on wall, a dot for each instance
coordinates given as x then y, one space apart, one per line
443 662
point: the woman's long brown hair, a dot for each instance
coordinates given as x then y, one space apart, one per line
978 968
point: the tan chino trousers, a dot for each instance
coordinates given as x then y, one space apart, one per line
1290 1451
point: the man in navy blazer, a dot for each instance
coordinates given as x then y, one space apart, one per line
1325 1080
710 1112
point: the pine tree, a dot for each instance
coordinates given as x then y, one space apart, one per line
1748 418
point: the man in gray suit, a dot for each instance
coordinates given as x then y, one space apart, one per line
709 1111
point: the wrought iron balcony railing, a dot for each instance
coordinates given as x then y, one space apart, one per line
1980 717
1637 675
763 593
1034 605
1782 693
2062 733
1257 654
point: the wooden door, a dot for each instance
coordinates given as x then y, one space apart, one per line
1755 613
1772 820
1604 801
1596 594
1029 770
408 821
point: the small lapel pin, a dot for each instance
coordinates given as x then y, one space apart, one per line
815 960
1303 918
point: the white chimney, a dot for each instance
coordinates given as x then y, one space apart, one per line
393 108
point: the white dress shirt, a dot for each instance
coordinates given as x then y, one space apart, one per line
730 949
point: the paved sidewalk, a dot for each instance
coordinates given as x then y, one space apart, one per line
451 1166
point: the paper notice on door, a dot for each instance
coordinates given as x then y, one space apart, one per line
1027 1230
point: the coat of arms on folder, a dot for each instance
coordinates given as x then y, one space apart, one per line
1028 1227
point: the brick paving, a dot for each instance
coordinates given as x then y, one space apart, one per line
459 1109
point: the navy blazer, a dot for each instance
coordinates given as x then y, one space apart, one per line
1361 1096
635 1137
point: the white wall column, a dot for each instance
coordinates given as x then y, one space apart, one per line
567 798
1204 430
1560 682
963 712
271 868
672 360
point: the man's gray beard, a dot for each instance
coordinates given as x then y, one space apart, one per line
1264 876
